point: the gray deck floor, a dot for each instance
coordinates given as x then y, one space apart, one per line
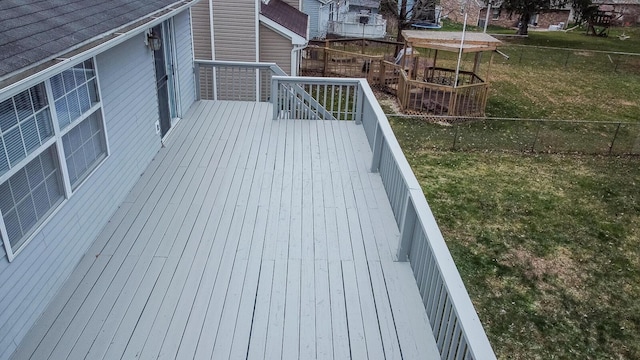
245 238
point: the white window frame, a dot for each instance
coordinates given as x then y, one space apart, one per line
56 141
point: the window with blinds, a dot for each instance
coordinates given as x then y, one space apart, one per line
32 181
84 148
74 92
25 124
29 196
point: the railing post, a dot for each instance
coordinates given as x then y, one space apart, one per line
196 71
359 104
407 225
377 150
275 97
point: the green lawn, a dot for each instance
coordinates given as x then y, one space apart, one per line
548 247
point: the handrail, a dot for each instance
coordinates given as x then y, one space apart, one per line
453 319
243 80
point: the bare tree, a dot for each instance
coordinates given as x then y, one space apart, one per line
406 12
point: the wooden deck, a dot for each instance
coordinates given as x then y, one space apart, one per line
245 238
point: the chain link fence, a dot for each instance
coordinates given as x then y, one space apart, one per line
527 135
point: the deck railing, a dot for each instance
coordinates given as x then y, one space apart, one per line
352 25
456 327
233 80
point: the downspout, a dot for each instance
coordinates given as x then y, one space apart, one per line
295 58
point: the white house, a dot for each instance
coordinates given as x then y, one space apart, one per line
320 13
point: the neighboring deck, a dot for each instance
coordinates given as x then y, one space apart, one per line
245 238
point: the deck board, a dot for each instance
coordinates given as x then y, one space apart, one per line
244 238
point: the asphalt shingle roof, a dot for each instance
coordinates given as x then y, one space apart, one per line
286 15
32 31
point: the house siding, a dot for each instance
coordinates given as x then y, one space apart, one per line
200 13
312 8
234 30
275 48
294 3
127 88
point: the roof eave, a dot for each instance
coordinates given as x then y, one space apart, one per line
95 45
295 38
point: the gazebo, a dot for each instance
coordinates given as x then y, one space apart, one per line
425 86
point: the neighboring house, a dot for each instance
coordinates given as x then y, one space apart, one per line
500 17
360 20
626 12
84 104
251 30
320 13
455 10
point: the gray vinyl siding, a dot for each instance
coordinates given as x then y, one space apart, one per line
234 30
275 48
202 30
184 53
127 88
312 8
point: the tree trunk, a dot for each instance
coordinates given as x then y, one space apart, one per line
523 25
402 20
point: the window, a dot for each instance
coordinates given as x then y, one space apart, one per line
55 123
84 148
29 196
25 124
496 14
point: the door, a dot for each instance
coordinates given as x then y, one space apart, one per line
165 82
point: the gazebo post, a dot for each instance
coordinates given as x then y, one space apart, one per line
476 62
489 69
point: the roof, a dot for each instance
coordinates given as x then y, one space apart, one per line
617 2
374 4
450 40
34 31
286 15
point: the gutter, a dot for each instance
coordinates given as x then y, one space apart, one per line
90 48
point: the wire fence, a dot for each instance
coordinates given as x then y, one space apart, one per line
526 135
576 59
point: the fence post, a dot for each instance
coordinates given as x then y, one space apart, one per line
521 52
455 137
615 136
407 224
535 140
196 71
326 60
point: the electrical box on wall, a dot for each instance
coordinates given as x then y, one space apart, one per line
157 127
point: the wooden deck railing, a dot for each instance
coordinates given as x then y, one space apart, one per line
431 89
456 327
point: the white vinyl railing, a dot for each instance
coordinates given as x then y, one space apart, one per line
454 321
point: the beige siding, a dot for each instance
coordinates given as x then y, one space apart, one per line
234 30
201 30
275 48
294 3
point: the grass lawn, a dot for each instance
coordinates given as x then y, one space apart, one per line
548 246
